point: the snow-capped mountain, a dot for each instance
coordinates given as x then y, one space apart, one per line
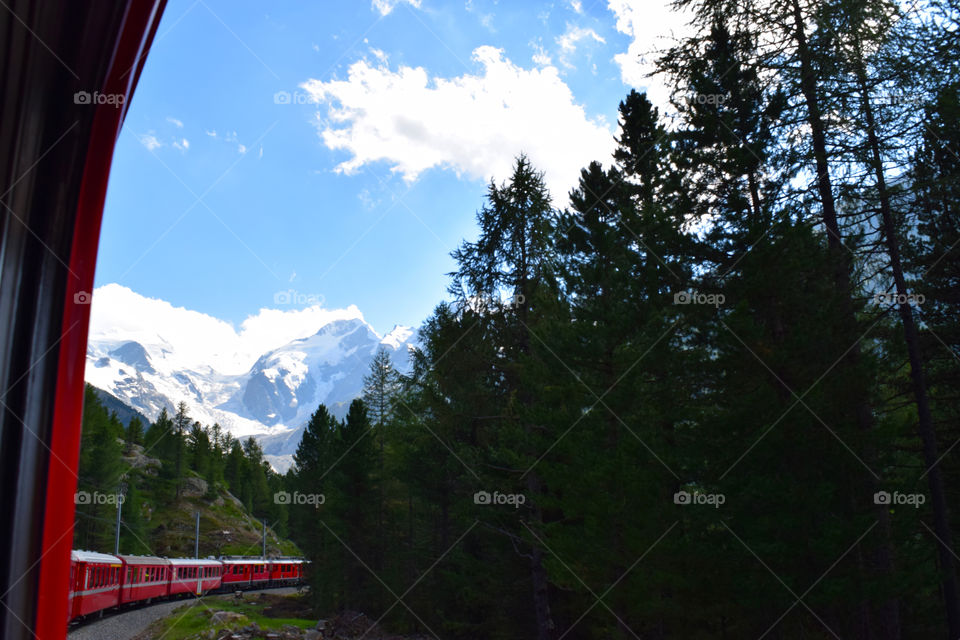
155 356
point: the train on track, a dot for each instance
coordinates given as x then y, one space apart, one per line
101 582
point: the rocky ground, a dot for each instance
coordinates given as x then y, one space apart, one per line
349 625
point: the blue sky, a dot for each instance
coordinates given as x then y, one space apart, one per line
340 149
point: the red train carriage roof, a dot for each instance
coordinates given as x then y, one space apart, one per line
138 560
193 562
93 556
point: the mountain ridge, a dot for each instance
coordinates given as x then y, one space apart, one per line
270 401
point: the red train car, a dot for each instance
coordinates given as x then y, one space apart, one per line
286 571
196 577
95 582
145 578
245 573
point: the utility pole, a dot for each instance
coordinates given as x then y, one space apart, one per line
264 539
196 543
116 539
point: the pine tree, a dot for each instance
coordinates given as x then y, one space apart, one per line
380 386
181 423
514 255
134 433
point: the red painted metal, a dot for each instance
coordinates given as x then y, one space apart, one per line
140 24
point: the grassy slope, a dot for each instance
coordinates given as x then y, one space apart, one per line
191 619
226 527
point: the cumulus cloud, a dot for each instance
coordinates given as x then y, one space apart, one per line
386 6
541 57
149 140
576 6
574 35
570 40
183 144
200 340
472 124
651 25
175 122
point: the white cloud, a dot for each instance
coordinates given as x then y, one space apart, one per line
652 25
182 144
260 154
379 54
241 148
197 339
149 140
472 124
212 134
541 57
570 40
386 6
574 35
177 123
576 6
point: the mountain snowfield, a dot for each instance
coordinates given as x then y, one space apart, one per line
264 380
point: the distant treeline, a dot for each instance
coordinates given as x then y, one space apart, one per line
713 393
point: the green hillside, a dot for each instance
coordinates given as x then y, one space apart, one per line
166 472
